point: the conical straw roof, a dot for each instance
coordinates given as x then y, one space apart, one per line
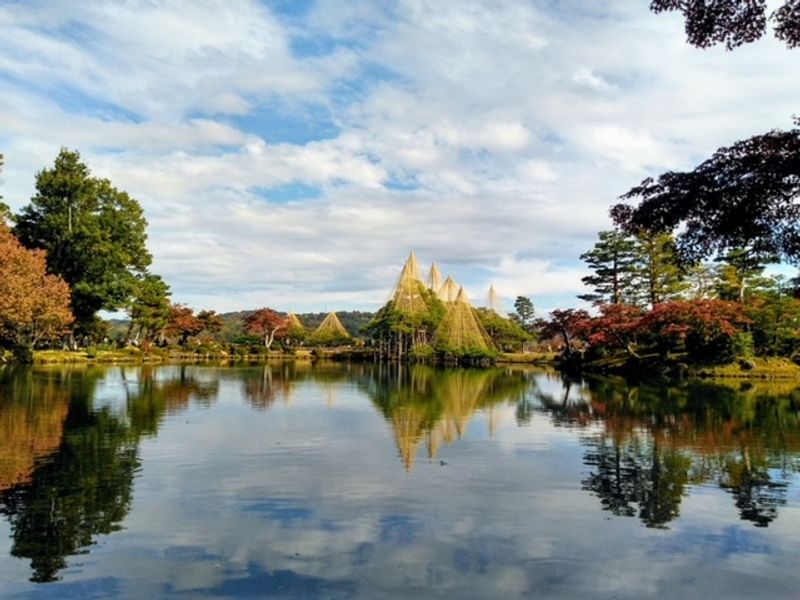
331 324
408 291
449 290
460 328
294 321
493 302
434 279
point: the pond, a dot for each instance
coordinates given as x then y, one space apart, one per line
296 480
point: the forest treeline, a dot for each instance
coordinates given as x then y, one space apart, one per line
79 248
681 278
649 303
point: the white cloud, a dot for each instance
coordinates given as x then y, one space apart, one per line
489 137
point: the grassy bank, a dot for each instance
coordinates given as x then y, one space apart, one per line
677 366
753 368
531 358
135 356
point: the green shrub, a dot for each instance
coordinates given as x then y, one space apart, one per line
742 344
23 354
422 353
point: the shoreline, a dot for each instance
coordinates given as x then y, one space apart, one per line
771 368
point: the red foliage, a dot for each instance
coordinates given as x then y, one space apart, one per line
183 323
34 305
268 324
705 319
567 323
615 327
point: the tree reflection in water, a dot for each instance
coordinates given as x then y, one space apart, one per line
656 441
72 463
68 460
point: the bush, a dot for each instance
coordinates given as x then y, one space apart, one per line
422 353
742 344
23 354
91 352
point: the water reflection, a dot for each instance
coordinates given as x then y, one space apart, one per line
656 441
68 464
32 415
73 440
436 405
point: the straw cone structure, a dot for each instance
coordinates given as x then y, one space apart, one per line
331 325
460 328
294 322
448 292
493 301
409 290
434 280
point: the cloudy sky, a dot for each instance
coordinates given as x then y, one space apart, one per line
290 153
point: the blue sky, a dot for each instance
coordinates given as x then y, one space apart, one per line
291 153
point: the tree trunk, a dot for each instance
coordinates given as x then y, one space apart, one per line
567 343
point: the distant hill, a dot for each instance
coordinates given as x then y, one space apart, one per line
353 320
233 323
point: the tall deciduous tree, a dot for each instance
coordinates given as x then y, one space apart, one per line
614 262
567 323
211 321
34 305
183 323
267 324
93 233
743 196
746 194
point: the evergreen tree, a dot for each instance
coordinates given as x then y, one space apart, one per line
614 261
149 308
740 269
701 282
524 313
661 277
93 233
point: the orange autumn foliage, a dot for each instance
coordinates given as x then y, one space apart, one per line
34 305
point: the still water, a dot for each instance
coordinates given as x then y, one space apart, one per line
358 481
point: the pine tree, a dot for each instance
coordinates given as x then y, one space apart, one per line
614 260
740 269
525 312
660 275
